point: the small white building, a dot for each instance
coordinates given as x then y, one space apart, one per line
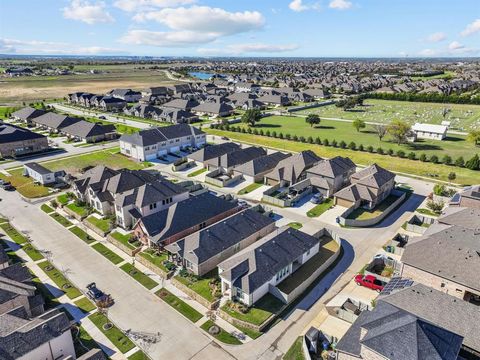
152 143
430 131
41 174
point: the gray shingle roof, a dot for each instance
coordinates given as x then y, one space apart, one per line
373 176
153 136
465 217
292 167
238 157
38 168
205 244
334 167
55 121
261 164
11 133
213 151
28 113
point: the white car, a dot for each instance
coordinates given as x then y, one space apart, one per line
317 199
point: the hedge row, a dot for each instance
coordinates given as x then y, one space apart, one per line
472 164
431 97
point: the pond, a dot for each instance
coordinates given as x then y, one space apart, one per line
201 75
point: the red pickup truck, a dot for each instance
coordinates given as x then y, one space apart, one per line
369 281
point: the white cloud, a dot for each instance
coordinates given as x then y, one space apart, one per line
427 52
299 5
455 45
137 5
436 37
340 4
35 47
238 49
196 24
166 38
87 12
472 28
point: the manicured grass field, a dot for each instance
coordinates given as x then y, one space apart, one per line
222 336
295 352
320 208
413 167
60 219
197 172
60 280
114 334
462 117
179 305
80 210
46 208
63 199
453 145
259 312
427 212
13 233
143 279
82 234
249 188
85 305
6 110
109 254
139 355
102 224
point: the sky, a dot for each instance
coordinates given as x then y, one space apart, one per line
271 28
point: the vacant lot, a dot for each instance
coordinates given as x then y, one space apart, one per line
454 145
28 89
462 117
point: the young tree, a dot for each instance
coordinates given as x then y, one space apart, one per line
473 163
474 137
358 124
380 130
312 119
452 176
398 130
251 116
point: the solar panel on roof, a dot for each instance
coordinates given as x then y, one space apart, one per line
396 284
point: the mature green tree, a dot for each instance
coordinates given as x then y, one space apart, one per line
251 116
399 130
358 124
474 137
312 119
473 163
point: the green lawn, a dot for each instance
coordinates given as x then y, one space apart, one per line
179 305
124 239
413 167
33 253
320 208
13 233
454 145
259 312
63 199
109 254
50 300
222 336
463 117
62 220
156 260
249 188
143 279
80 210
82 234
7 110
253 334
197 172
114 334
139 355
200 286
86 341
102 224
85 305
25 185
296 225
46 208
60 280
427 212
295 352
363 214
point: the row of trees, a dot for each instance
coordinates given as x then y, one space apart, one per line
426 97
472 163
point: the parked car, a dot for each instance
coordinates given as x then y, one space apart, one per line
102 117
6 185
317 199
225 138
98 296
369 281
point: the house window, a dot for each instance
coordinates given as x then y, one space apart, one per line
203 225
281 274
153 206
147 148
188 264
177 140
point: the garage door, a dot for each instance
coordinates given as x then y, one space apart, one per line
343 202
175 149
151 157
161 152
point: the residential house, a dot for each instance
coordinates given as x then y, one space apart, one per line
176 116
17 141
127 95
468 197
331 175
54 122
47 336
256 169
27 114
370 186
203 250
276 100
41 174
181 104
128 194
216 109
150 144
430 131
257 270
244 87
112 104
210 152
182 219
90 132
292 169
229 160
453 262
143 111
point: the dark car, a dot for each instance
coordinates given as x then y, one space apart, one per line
94 293
102 117
6 185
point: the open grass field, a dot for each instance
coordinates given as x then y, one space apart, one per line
412 167
462 117
31 88
453 145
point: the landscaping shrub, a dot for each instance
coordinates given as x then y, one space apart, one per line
423 157
434 159
361 148
401 153
412 156
390 152
473 163
334 143
343 144
447 160
326 142
352 146
380 151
